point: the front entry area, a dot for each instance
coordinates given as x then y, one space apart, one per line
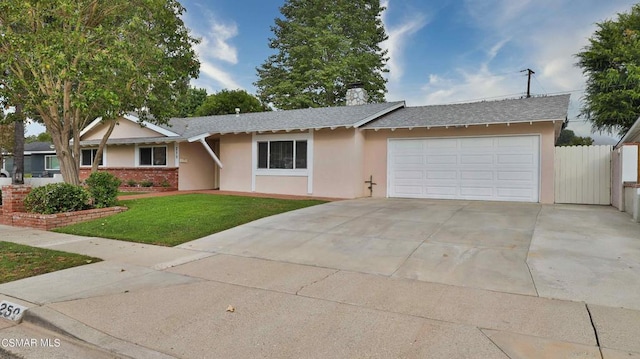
492 168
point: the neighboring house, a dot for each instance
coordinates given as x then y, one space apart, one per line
498 150
40 160
625 191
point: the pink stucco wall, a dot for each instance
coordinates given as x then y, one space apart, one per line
124 129
375 150
338 163
120 156
197 169
282 185
235 154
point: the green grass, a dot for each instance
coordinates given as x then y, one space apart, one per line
19 261
172 220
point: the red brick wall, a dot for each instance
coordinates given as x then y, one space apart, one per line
139 174
13 198
50 221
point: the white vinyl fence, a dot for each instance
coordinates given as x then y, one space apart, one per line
583 174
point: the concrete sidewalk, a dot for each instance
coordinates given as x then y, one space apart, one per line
155 302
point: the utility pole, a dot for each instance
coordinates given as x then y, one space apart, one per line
529 73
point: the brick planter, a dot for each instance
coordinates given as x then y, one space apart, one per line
50 221
12 212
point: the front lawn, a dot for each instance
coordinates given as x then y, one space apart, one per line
172 220
18 261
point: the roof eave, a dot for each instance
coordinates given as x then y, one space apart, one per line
462 124
634 131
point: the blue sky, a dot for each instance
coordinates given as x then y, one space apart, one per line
440 51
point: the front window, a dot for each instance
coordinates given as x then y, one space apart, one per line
282 154
51 163
88 155
153 156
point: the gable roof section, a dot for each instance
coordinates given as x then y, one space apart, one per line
532 109
161 130
290 120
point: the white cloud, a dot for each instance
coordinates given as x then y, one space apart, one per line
225 79
398 34
215 44
215 51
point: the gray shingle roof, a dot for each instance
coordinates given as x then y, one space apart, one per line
477 113
343 116
39 147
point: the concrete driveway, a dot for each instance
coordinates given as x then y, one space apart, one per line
580 253
376 278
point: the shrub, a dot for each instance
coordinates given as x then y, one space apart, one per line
103 187
165 183
146 183
57 198
131 183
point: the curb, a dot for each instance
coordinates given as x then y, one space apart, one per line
53 321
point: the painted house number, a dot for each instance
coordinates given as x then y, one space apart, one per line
11 311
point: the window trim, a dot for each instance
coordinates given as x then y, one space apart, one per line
45 163
291 172
104 156
294 150
166 151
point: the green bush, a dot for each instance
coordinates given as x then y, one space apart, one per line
57 198
132 183
146 183
103 188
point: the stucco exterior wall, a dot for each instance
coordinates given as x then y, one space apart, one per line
338 163
632 202
124 129
375 150
282 185
235 155
197 169
120 156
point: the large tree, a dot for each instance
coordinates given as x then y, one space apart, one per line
569 138
323 46
71 61
611 63
226 102
191 101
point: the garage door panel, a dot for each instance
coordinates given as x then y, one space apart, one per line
442 159
476 175
408 175
483 168
516 176
449 175
516 159
441 190
476 159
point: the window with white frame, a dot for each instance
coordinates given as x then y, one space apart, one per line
282 154
152 156
88 155
51 163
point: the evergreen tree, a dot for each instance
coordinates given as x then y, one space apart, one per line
323 46
611 63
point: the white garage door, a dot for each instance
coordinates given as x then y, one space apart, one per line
479 168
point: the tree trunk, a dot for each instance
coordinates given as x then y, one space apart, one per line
18 148
103 142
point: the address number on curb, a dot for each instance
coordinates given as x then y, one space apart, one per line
11 311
